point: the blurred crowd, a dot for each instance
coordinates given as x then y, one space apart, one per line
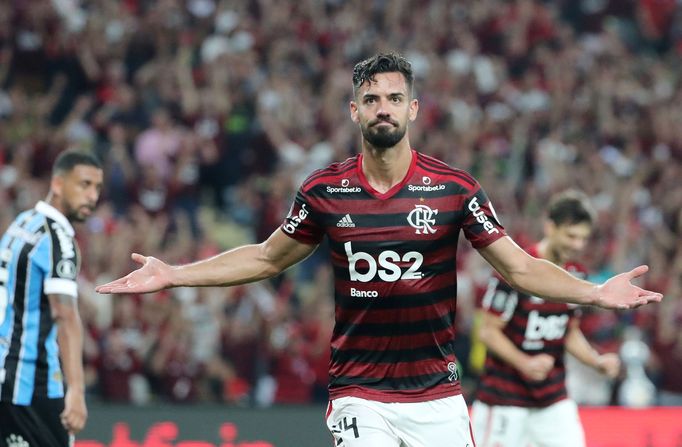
207 115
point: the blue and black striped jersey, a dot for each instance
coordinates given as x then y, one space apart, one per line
38 257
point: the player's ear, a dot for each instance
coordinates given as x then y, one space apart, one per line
354 112
414 108
57 185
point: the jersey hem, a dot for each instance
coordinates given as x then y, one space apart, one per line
391 396
505 403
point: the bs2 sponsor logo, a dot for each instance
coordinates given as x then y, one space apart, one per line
295 220
384 266
480 216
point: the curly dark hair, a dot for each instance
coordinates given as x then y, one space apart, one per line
365 70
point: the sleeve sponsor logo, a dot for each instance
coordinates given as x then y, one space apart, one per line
294 220
65 242
481 217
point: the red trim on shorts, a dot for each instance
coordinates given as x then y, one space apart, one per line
329 410
471 432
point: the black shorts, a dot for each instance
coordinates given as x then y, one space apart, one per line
38 425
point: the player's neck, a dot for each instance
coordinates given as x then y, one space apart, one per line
53 202
385 168
545 251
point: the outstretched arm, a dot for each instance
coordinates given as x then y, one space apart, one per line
248 263
544 279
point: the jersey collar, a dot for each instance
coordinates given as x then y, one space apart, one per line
52 212
394 190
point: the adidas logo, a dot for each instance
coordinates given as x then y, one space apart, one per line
16 441
346 222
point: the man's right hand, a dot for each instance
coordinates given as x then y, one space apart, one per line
75 412
537 367
154 275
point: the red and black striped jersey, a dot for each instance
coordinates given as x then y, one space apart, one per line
535 326
393 257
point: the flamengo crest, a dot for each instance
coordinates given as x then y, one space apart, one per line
422 218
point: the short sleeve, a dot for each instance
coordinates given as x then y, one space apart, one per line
500 299
300 223
58 256
481 225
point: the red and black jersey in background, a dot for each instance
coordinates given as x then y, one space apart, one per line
393 256
535 326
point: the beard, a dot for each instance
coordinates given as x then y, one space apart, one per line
383 137
77 215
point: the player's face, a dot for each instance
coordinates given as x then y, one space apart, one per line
567 241
77 191
383 108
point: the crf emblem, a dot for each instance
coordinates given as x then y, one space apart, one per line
422 218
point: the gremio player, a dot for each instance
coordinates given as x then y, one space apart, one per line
41 336
392 217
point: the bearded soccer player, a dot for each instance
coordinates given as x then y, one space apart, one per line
392 217
522 393
39 321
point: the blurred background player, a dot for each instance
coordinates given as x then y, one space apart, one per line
522 393
39 319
